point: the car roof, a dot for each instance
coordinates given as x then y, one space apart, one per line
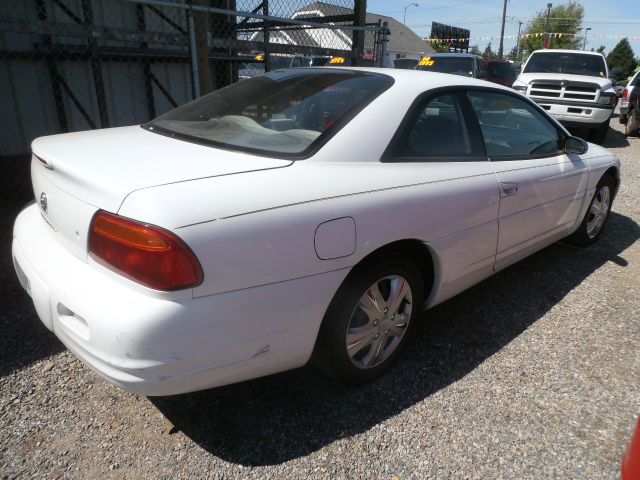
456 55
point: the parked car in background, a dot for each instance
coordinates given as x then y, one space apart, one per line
463 64
277 61
405 63
633 82
631 459
573 86
501 72
253 229
618 87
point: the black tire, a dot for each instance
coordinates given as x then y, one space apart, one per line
583 237
599 134
631 127
331 353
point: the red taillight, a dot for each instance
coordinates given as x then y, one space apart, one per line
625 93
147 254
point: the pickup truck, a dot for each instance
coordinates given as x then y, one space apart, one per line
573 86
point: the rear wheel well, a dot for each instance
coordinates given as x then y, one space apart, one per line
416 251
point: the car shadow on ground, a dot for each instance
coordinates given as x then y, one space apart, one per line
615 139
278 418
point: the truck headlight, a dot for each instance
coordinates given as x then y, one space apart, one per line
607 98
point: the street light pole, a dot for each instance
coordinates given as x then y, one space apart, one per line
546 26
504 16
586 31
404 19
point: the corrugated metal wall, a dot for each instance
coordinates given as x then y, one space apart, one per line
28 107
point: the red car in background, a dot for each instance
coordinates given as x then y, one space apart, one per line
631 459
501 72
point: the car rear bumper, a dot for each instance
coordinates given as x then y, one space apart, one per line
624 108
155 344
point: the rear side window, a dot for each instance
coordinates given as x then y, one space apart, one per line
286 113
436 130
512 128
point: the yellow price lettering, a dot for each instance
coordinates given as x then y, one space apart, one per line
426 62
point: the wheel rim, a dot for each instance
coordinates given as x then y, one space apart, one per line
379 321
598 211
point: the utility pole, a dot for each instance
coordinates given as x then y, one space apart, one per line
518 44
546 26
586 31
504 17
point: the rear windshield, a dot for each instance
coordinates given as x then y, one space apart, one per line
455 65
285 113
571 63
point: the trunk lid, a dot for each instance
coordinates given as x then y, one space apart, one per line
76 174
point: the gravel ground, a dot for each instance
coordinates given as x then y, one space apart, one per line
535 373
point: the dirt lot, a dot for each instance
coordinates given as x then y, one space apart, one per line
535 373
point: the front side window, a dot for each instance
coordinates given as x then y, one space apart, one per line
282 113
570 63
435 130
512 128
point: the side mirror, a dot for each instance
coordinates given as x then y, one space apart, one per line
575 145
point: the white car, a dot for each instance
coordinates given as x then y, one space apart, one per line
304 213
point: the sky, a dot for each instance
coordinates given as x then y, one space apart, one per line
607 18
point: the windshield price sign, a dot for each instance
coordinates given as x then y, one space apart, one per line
426 62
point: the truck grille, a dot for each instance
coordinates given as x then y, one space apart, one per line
564 90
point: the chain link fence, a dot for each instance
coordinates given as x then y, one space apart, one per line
69 65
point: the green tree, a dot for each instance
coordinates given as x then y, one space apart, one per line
623 58
564 20
439 46
488 53
601 49
474 50
515 55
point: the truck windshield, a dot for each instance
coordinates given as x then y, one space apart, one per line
285 113
563 62
455 65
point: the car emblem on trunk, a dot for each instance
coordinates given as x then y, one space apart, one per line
43 202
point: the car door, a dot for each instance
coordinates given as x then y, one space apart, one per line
457 191
541 187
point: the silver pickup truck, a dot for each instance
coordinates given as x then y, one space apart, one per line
573 86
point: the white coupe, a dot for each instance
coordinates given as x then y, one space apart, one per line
305 213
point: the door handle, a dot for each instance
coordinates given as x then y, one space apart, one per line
507 189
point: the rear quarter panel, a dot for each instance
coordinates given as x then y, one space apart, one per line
260 226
